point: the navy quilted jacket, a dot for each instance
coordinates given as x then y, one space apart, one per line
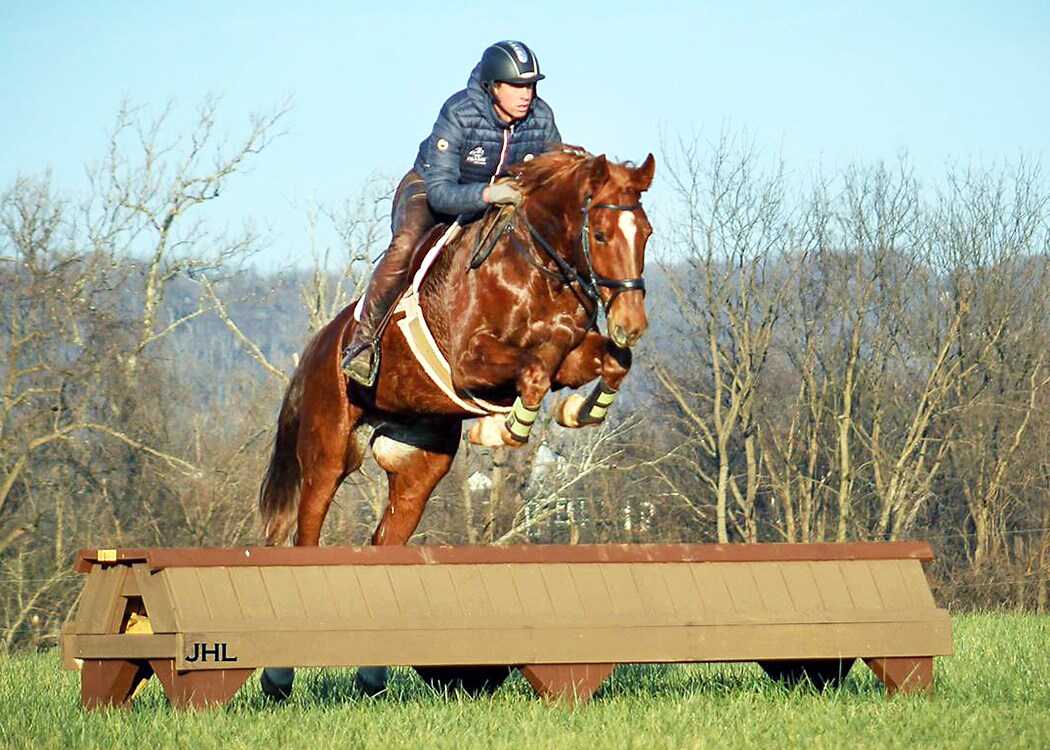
470 144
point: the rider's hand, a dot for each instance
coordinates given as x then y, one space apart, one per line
502 193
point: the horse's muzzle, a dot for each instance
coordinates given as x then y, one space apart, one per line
627 321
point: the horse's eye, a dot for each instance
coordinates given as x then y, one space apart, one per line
600 237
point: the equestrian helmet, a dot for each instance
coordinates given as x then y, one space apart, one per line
509 62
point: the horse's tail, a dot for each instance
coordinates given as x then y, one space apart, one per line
279 493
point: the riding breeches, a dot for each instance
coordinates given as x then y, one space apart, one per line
410 218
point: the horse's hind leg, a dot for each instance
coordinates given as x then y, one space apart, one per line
412 474
328 452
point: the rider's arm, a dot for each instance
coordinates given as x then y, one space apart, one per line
443 150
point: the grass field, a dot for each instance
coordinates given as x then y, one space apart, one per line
995 692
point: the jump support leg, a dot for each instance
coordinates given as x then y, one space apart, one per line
110 682
905 674
571 683
200 688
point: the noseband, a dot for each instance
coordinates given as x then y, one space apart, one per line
589 280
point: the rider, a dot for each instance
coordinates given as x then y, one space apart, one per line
496 121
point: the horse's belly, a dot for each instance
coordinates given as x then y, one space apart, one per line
405 387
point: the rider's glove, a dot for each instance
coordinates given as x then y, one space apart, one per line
504 193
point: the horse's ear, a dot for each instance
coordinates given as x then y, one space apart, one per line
643 176
599 170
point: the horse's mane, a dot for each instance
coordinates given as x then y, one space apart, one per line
550 167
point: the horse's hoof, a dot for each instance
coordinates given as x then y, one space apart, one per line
567 412
371 681
510 440
488 432
276 682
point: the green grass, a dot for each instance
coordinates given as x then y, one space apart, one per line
995 692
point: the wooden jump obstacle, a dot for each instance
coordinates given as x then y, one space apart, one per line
202 620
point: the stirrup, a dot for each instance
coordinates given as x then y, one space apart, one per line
354 368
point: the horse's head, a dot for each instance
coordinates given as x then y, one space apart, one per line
615 232
605 229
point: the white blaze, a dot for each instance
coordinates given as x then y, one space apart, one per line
628 228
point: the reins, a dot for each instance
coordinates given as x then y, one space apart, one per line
589 281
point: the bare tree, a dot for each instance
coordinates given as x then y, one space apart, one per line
735 237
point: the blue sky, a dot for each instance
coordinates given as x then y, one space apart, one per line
822 83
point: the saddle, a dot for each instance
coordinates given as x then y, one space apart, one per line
408 315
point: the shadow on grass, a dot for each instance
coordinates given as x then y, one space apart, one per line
335 687
679 681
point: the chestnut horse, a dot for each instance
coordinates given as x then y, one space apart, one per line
512 327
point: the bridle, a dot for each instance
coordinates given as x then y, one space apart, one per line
590 281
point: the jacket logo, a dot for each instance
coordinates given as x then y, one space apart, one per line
476 155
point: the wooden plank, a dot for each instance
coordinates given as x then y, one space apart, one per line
157 598
498 581
283 592
889 582
681 588
130 588
582 645
440 591
122 646
347 597
312 586
68 660
187 599
473 601
832 586
219 594
861 585
802 586
606 619
591 592
101 605
532 590
914 578
772 587
652 589
252 597
376 589
561 590
743 590
622 590
711 586
161 557
408 588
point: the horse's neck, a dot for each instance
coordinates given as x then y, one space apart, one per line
450 277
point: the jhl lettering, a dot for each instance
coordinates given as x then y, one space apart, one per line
216 652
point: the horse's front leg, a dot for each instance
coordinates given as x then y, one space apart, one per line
596 357
534 371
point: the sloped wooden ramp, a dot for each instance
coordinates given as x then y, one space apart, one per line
203 620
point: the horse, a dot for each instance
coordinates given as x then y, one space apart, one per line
513 306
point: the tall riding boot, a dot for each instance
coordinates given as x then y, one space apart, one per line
411 217
361 358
